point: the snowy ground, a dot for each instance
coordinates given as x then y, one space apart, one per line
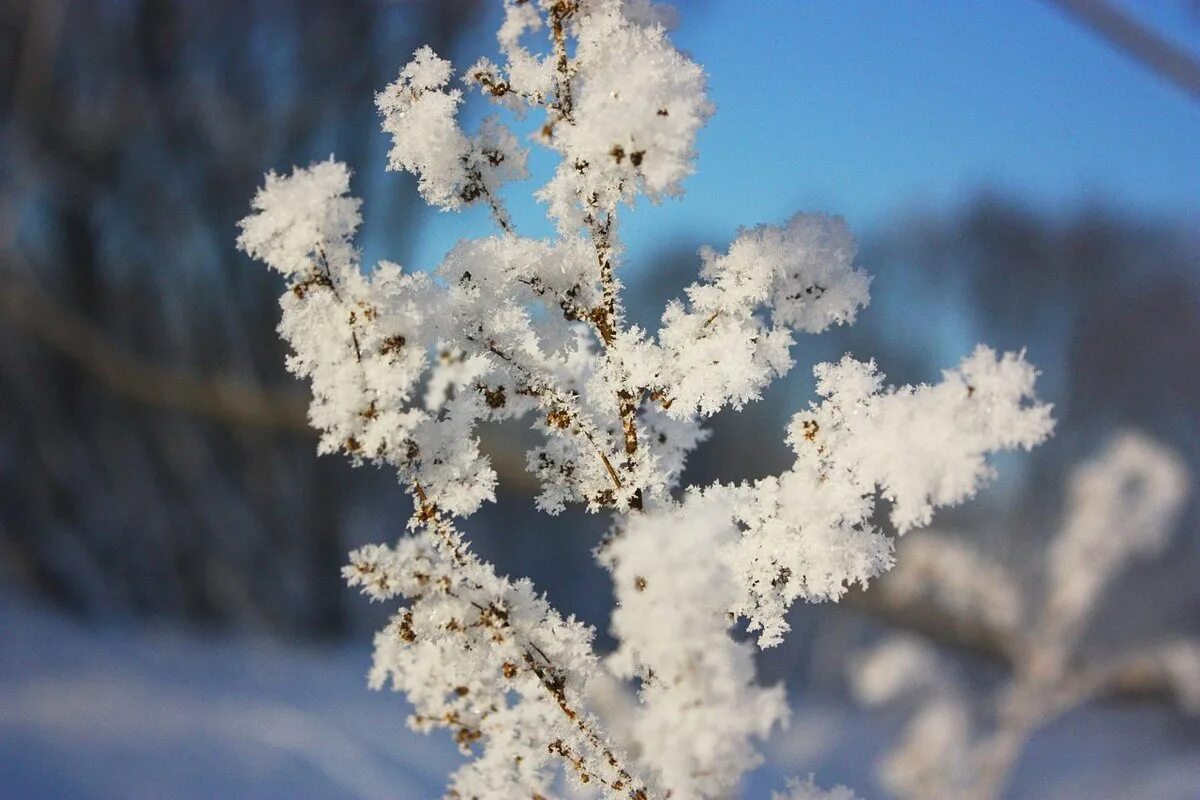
129 714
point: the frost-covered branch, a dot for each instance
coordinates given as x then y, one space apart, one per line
489 660
808 532
404 367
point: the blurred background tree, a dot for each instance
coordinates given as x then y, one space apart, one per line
155 456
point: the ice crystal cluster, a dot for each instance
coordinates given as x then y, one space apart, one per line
405 366
1122 505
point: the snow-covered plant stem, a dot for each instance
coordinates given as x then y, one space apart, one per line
1122 505
405 366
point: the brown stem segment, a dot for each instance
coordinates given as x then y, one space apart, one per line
608 318
564 101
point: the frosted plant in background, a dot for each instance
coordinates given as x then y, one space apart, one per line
404 367
1122 506
808 790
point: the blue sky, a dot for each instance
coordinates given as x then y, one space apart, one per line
874 109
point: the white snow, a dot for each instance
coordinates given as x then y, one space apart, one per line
115 713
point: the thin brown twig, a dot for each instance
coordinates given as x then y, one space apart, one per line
330 281
551 399
563 97
499 213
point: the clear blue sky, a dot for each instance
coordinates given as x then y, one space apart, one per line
870 109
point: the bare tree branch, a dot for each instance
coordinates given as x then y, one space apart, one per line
1138 40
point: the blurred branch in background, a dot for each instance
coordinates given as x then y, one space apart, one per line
33 312
1137 679
1122 29
1122 506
